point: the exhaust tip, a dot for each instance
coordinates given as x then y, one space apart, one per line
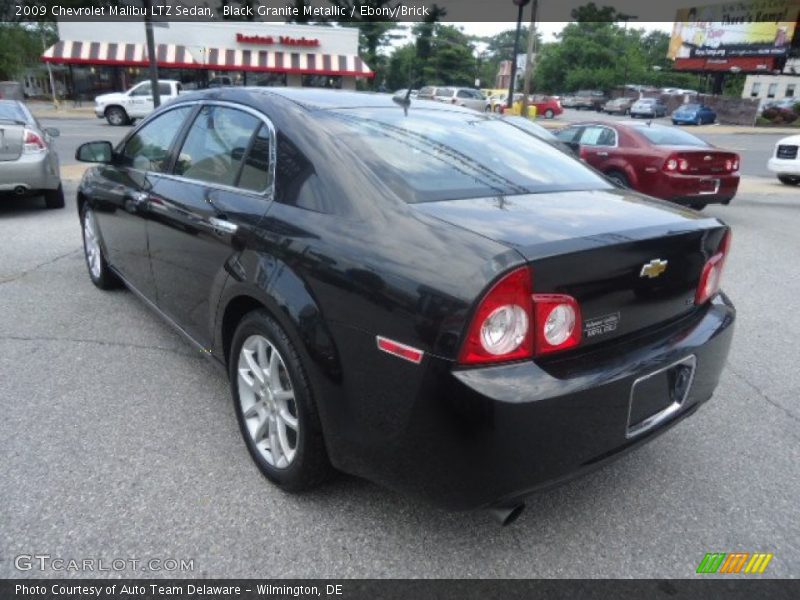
506 515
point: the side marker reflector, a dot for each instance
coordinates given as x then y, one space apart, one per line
400 350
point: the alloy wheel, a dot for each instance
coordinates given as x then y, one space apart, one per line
267 401
91 245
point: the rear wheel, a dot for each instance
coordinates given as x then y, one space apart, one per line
99 272
549 114
274 405
116 116
789 179
619 179
54 198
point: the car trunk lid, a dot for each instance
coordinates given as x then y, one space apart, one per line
704 161
630 263
11 139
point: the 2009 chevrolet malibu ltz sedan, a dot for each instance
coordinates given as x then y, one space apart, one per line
422 295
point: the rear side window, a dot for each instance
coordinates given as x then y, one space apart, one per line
568 134
148 148
216 145
164 89
255 170
598 136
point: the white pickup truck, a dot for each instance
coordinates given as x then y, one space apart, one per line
122 108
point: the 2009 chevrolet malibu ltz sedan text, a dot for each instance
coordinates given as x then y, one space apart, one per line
421 295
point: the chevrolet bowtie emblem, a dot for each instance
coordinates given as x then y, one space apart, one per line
654 268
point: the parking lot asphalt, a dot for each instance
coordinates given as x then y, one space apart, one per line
120 441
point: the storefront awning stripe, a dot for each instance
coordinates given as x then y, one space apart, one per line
115 54
225 59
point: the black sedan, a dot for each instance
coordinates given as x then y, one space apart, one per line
428 297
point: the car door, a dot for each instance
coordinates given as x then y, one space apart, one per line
598 145
141 100
120 194
219 189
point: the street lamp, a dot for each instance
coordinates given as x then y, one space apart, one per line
521 4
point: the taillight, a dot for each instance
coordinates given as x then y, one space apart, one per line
712 272
513 323
32 142
500 329
557 323
675 163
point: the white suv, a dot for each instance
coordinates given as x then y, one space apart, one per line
785 161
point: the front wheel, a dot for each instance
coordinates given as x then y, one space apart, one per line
117 116
789 179
99 272
54 198
274 405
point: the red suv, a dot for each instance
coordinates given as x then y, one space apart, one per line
657 160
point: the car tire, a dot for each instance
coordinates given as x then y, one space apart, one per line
789 179
698 121
116 116
299 460
619 178
674 122
54 198
99 272
549 114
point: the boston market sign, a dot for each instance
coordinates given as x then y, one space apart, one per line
282 40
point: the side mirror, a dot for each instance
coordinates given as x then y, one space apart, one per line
52 132
97 152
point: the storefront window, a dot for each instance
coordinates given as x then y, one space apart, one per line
323 81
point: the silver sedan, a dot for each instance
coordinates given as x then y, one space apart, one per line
28 160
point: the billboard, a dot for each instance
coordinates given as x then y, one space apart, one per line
745 28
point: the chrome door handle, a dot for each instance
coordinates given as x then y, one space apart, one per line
223 226
602 154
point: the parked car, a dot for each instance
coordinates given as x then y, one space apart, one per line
11 90
697 114
590 100
621 106
396 299
123 108
569 101
648 107
792 104
785 160
460 96
546 106
28 160
658 160
427 92
402 93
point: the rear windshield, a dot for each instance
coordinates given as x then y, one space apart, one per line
669 136
442 155
12 111
690 107
444 91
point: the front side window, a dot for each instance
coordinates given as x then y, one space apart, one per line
148 148
216 145
164 89
143 89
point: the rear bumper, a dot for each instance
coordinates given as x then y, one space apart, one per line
477 438
783 166
32 172
690 189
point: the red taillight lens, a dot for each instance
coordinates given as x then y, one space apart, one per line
675 163
557 323
712 272
513 323
500 329
32 142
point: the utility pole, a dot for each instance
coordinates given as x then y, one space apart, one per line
151 52
520 4
526 86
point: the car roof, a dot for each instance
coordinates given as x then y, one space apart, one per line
321 99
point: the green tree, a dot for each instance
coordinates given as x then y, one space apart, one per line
21 47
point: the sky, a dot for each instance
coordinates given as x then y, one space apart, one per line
547 29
